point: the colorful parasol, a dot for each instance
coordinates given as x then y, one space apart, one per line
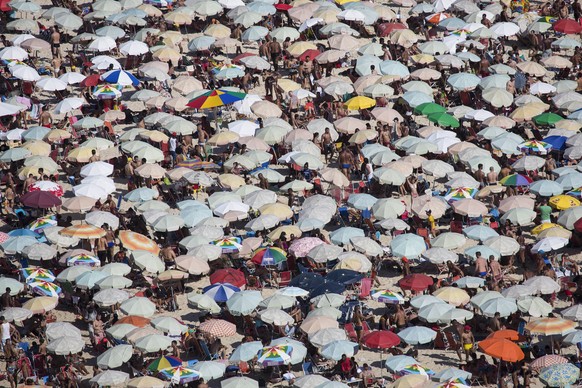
47 186
460 193
436 18
83 259
275 355
164 362
83 231
516 180
416 369
563 202
41 223
387 296
540 228
37 274
107 92
218 328
562 375
269 256
196 164
546 361
180 375
135 241
535 146
43 288
215 98
229 244
576 192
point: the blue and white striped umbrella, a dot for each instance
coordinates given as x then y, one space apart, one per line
120 77
220 292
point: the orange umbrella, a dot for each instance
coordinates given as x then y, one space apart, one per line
507 334
134 320
83 231
502 349
551 326
135 241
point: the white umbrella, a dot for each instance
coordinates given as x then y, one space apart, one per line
115 356
65 346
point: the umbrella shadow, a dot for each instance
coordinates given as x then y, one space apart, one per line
445 360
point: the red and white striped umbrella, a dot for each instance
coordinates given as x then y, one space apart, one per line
49 186
218 328
549 360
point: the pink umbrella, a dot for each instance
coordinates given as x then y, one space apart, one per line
301 247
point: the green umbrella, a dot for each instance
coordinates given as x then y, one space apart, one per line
429 108
444 120
547 118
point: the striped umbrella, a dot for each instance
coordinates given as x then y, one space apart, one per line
548 360
33 274
180 375
535 146
107 92
551 326
83 231
229 244
83 259
220 292
136 242
387 296
43 288
275 355
218 328
576 192
460 193
416 369
269 256
164 362
516 180
41 223
215 98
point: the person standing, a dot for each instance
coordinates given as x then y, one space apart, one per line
172 146
275 50
56 42
468 341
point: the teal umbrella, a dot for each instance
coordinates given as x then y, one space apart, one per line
417 335
343 235
244 302
408 245
483 249
546 188
394 68
246 351
479 232
362 201
470 282
463 81
561 375
336 349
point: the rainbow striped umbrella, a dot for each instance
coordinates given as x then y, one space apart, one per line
43 288
416 369
229 244
275 355
460 193
215 98
164 362
576 192
41 223
32 274
387 296
180 374
535 146
516 180
456 383
83 259
269 256
107 91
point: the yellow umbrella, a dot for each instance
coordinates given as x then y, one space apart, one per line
37 147
288 85
231 181
360 102
172 38
217 31
81 154
24 172
540 228
411 381
453 295
526 112
298 48
223 138
84 231
342 2
361 137
57 135
555 232
563 202
41 304
155 136
288 229
280 210
150 10
423 59
167 54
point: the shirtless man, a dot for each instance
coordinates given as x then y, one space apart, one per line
94 157
56 42
168 255
101 250
480 175
385 136
27 183
494 324
46 120
468 341
327 143
480 265
400 318
110 238
550 166
491 176
346 161
495 268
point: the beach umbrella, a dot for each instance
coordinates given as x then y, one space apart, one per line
452 295
336 349
109 378
16 314
502 306
229 275
397 363
204 302
138 306
110 297
115 356
388 297
66 345
502 349
380 339
276 317
415 282
209 370
153 343
543 284
417 335
180 374
440 255
218 328
561 375
220 292
135 241
407 245
246 351
551 326
37 274
470 282
323 337
479 232
534 306
547 361
44 288
240 382
164 362
244 302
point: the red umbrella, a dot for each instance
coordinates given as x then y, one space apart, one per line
40 199
386 28
578 225
567 26
416 282
283 7
228 275
311 53
241 56
381 339
92 80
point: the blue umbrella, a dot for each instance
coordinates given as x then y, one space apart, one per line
484 249
344 276
408 245
254 33
327 287
230 73
362 201
452 24
561 375
18 243
262 8
557 142
396 363
120 77
220 292
417 335
546 188
479 232
570 181
394 68
365 62
343 235
22 232
306 280
470 282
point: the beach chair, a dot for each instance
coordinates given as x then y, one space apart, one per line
365 287
351 332
307 368
284 278
457 227
206 351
